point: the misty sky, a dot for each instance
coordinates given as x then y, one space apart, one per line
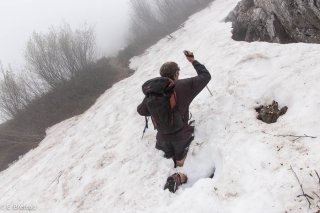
19 18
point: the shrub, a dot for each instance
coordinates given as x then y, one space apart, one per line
150 23
60 54
13 93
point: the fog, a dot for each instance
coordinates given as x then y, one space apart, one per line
19 18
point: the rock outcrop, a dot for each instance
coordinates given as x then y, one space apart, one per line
280 21
270 114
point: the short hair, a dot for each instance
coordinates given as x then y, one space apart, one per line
169 69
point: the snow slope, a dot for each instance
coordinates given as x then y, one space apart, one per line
97 162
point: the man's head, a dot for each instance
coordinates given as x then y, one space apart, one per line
170 70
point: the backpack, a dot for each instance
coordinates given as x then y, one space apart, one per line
161 103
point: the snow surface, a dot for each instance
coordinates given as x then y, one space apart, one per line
97 162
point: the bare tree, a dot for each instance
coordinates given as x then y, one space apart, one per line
60 54
13 93
150 22
171 13
175 12
144 22
34 86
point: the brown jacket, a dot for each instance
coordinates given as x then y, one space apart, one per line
186 90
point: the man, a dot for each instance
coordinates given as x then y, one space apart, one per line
176 145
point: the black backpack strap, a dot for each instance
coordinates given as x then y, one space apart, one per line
146 126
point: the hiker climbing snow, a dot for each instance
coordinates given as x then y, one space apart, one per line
167 100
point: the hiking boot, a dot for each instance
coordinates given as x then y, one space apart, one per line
173 182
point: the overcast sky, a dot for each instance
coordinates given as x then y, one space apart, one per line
19 18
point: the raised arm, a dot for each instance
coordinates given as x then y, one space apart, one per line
200 81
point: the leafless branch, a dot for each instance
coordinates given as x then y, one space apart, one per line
294 136
153 21
13 93
60 54
57 178
303 193
170 36
316 195
317 176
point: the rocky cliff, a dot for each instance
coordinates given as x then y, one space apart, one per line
281 21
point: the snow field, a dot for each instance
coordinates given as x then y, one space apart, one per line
97 162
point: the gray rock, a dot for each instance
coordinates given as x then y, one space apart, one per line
270 114
280 21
